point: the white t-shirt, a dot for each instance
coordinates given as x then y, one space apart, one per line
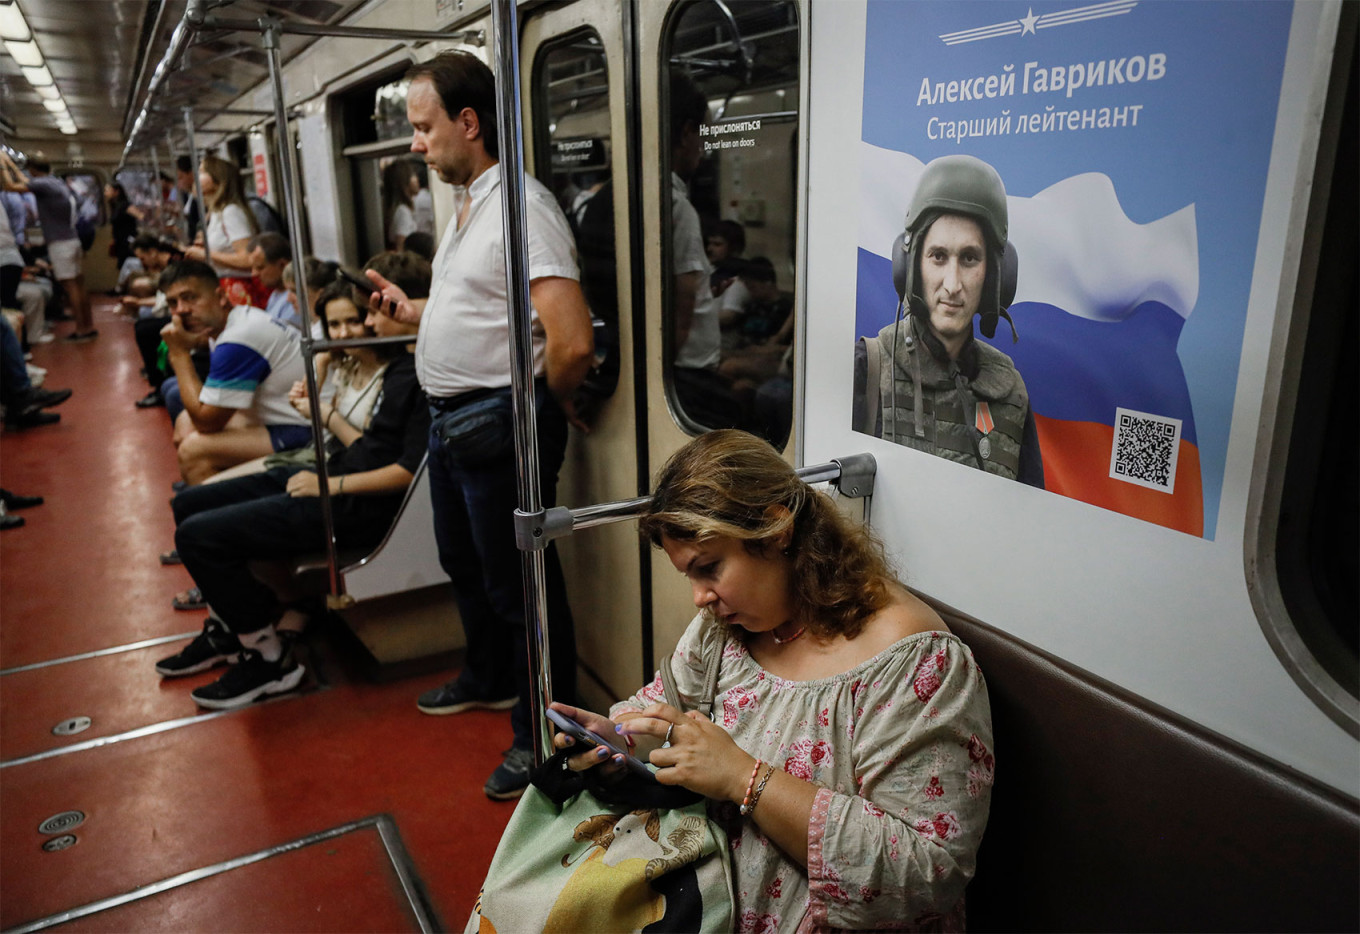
225 227
464 333
254 363
703 347
403 223
424 211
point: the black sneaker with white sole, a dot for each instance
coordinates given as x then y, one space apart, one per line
250 678
215 645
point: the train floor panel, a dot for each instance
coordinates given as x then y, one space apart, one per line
339 807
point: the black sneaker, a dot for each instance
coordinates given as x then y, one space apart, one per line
452 699
49 398
248 679
81 338
511 776
215 645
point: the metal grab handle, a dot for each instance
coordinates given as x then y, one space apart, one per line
852 475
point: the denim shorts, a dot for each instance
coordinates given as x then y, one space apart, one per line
287 437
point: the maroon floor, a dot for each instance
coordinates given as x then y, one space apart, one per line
191 791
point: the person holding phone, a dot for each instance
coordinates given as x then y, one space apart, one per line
850 753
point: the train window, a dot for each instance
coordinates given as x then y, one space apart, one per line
573 151
1316 544
731 137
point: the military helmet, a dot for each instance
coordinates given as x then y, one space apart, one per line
964 185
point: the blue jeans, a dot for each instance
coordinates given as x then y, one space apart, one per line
474 509
14 384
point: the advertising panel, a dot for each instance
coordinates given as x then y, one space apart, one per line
1132 140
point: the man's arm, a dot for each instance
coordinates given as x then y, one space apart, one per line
570 337
207 419
686 297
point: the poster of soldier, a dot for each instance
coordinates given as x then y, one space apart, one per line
1059 209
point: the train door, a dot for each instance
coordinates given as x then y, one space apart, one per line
740 174
576 142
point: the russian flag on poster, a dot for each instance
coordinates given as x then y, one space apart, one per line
1099 306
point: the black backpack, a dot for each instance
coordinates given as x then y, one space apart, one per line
266 217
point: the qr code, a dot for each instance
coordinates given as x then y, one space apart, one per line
1145 449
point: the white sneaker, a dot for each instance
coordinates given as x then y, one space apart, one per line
36 375
46 337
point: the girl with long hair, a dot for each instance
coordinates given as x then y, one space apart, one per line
227 233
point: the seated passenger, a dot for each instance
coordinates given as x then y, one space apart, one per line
222 527
840 694
241 410
269 254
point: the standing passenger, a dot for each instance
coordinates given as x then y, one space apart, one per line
463 359
227 233
57 215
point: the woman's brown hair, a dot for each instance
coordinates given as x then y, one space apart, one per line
733 484
228 188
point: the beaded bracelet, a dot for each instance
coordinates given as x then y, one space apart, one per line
759 789
746 802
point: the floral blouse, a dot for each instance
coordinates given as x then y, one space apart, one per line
901 747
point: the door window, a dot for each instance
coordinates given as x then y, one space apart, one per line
730 106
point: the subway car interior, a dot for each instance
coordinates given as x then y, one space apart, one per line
1105 436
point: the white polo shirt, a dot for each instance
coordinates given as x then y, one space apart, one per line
464 334
703 348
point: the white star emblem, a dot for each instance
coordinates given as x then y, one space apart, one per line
1027 22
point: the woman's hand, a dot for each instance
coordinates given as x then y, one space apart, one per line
702 756
196 253
591 757
304 483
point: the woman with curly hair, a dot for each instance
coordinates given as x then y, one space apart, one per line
849 756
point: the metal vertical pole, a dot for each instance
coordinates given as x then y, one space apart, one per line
291 189
198 187
156 187
505 26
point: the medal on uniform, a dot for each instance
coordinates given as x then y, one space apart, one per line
982 421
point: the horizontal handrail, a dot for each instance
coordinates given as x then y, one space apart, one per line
321 346
473 36
852 475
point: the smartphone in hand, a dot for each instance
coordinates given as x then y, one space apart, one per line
588 739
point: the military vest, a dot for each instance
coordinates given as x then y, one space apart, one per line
979 421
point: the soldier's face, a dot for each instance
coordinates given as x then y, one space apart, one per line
953 270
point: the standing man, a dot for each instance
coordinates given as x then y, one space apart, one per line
57 216
463 361
925 381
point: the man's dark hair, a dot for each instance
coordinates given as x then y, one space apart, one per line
687 103
421 244
463 80
735 235
187 269
758 269
149 241
40 165
408 271
275 246
184 164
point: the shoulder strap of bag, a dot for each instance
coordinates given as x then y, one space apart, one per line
712 661
866 419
